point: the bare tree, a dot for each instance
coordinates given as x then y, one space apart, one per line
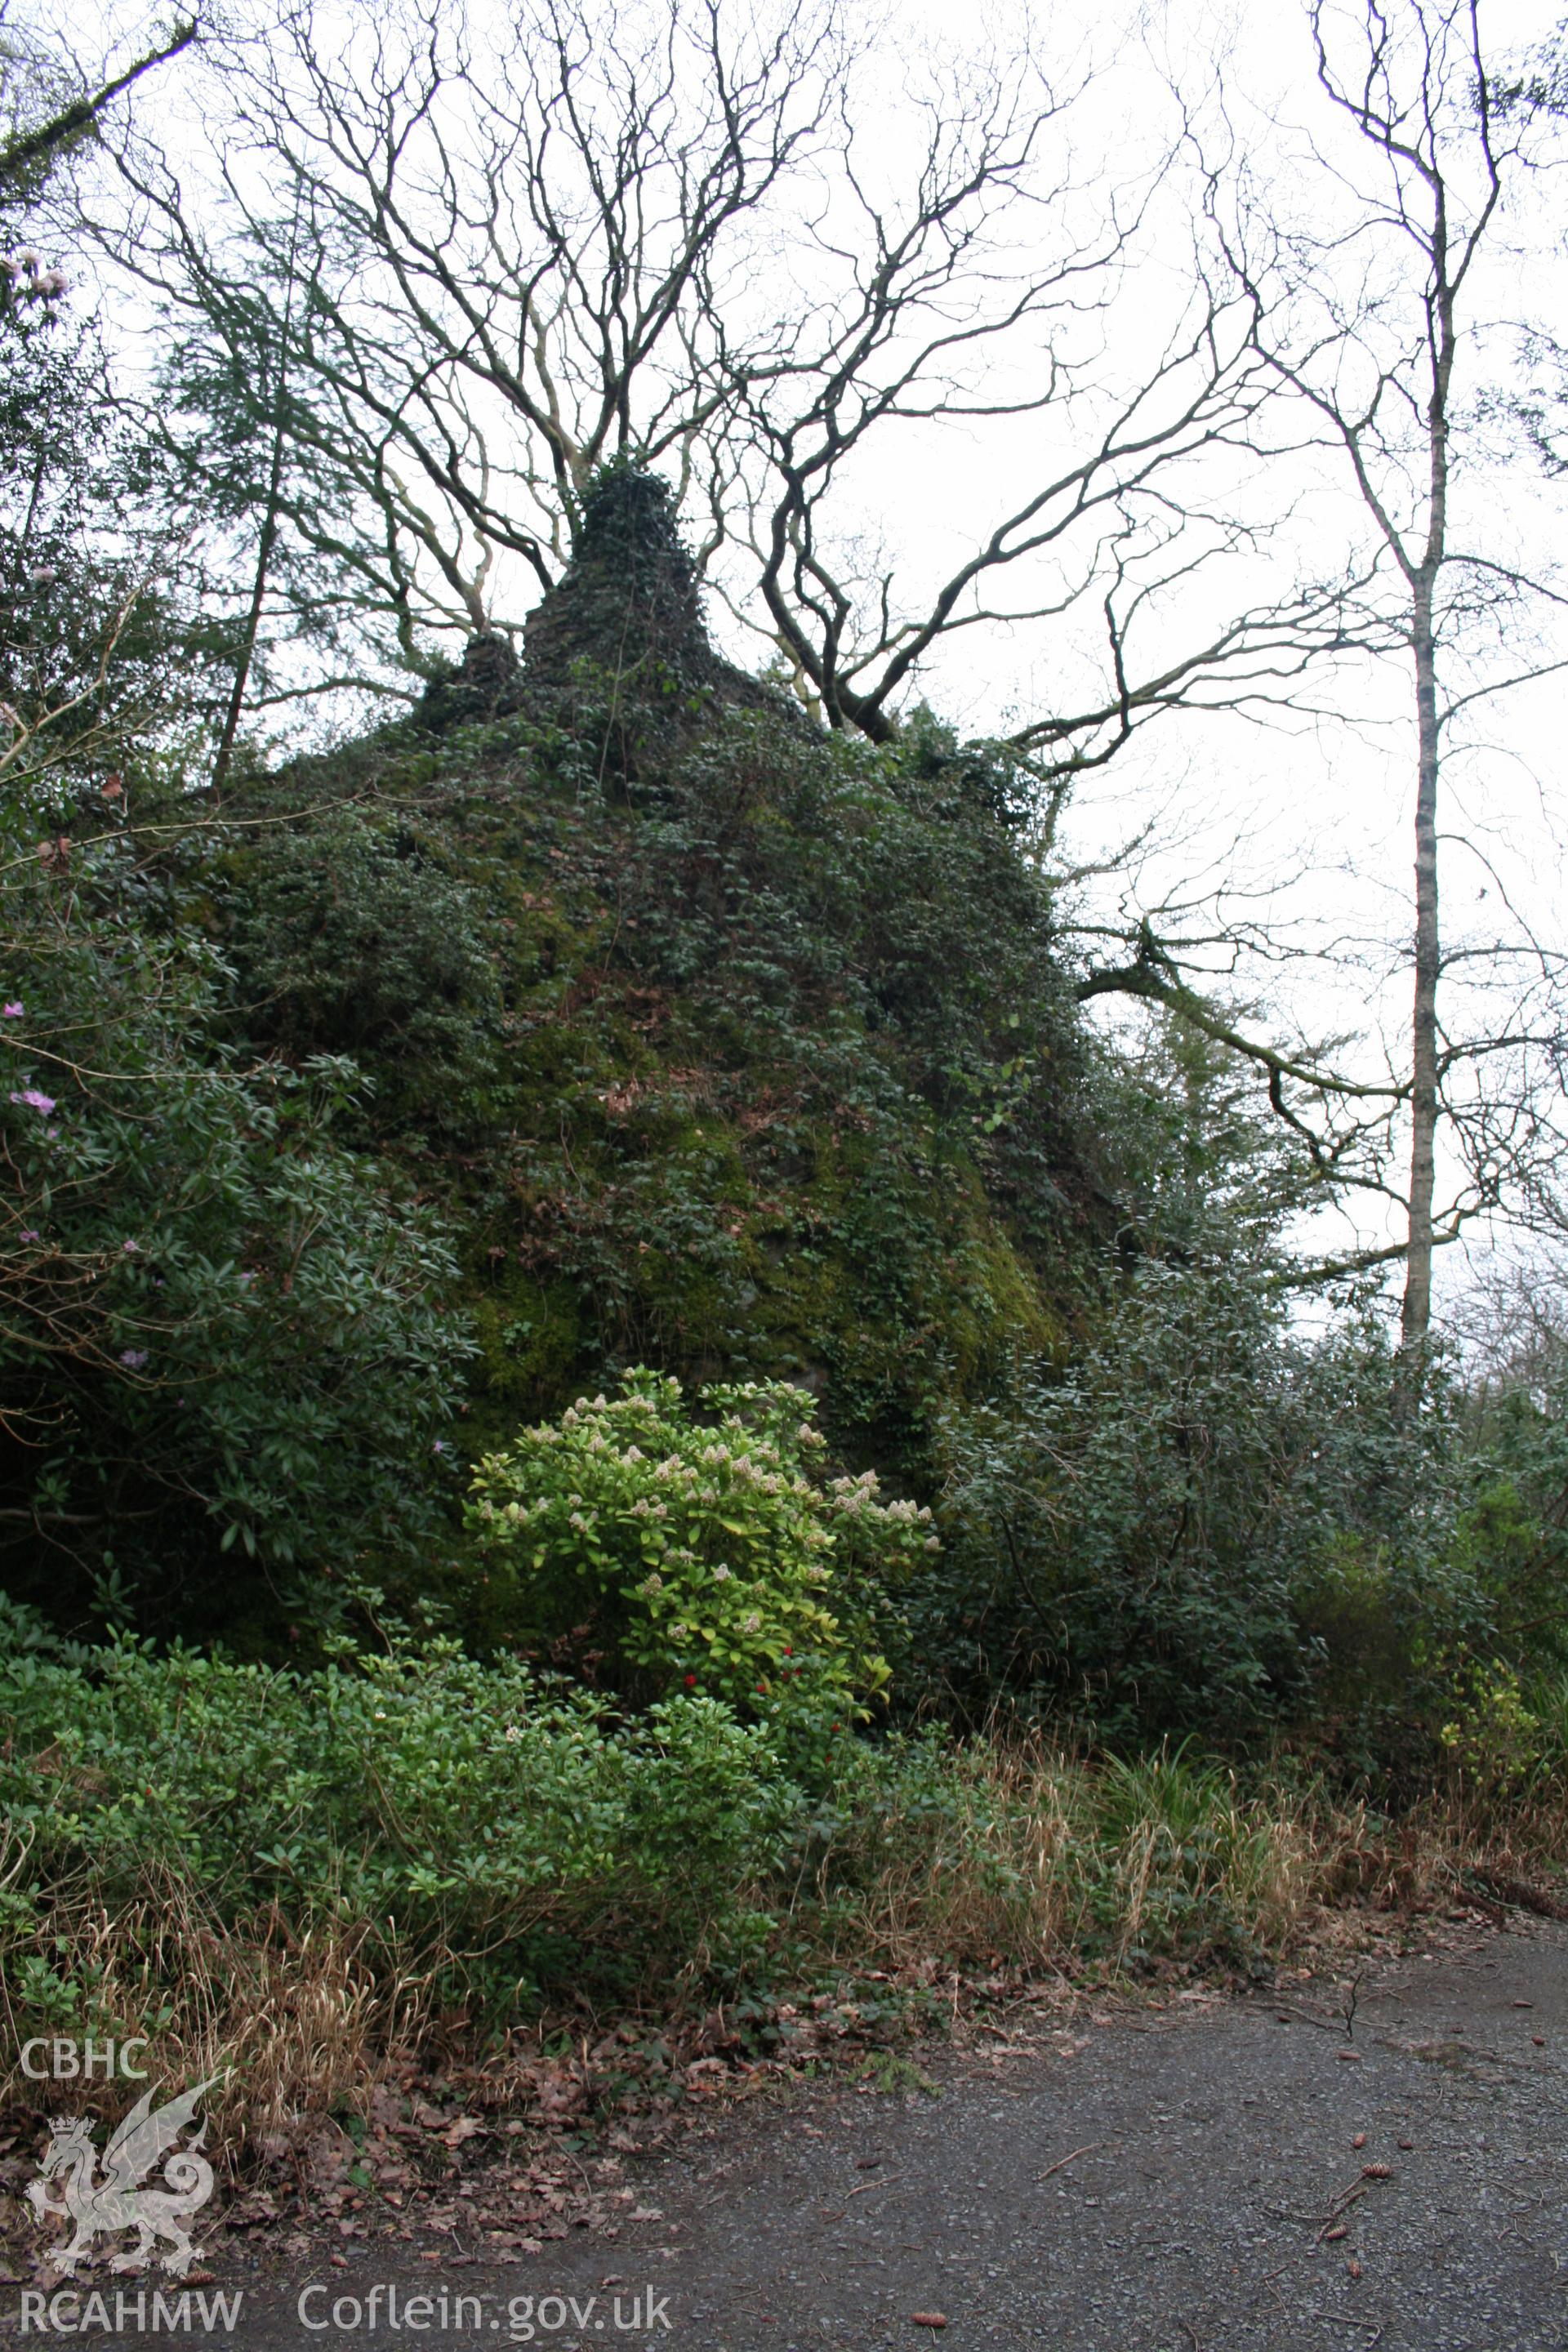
273 394
500 226
976 294
686 238
1373 320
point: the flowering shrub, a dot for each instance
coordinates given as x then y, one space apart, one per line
743 1569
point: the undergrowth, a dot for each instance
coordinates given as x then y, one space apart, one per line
285 1878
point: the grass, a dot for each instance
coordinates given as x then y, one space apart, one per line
975 1868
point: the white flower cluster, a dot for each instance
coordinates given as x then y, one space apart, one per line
29 280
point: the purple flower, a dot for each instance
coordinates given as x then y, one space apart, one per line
440 1446
130 1247
11 1012
34 1099
27 1234
134 1359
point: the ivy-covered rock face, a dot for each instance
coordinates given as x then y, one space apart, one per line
619 650
748 1059
628 602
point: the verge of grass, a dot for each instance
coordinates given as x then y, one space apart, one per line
297 1884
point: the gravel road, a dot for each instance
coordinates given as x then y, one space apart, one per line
1216 2176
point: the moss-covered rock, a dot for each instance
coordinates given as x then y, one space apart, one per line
617 651
765 1067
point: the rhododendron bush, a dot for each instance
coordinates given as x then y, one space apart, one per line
730 1562
227 1361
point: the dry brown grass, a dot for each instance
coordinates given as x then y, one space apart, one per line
1050 1861
283 2025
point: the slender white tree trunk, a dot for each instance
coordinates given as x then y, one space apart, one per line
1416 1317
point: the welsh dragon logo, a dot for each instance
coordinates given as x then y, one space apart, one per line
103 2205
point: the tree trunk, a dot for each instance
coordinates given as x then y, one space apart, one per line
23 152
253 617
1416 1317
268 537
